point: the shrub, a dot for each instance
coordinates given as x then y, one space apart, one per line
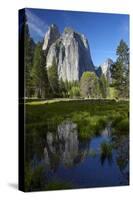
74 92
89 85
122 125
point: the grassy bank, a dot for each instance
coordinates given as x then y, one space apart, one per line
90 115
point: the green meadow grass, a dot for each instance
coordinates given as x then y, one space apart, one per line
90 115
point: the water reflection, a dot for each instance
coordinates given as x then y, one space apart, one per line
64 156
63 146
106 132
122 154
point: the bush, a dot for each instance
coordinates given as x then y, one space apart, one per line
74 91
122 125
89 85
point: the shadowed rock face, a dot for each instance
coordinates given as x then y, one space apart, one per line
51 36
70 51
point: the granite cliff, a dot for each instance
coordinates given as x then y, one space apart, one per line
71 52
105 68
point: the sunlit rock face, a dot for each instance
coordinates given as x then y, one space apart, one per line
105 68
71 52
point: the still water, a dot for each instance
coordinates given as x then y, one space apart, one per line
65 158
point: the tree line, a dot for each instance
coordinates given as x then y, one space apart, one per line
44 83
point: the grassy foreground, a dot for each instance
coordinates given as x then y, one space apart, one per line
90 115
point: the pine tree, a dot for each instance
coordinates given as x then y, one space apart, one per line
103 86
120 70
53 78
62 88
45 87
28 58
39 73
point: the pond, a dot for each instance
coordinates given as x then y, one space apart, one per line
57 158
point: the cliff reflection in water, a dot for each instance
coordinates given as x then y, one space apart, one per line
62 156
63 146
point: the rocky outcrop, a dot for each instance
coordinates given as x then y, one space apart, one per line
98 71
105 70
105 67
50 37
70 51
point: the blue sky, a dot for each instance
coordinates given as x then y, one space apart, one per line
103 31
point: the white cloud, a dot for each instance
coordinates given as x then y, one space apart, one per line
36 24
34 28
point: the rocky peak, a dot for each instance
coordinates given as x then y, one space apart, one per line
105 68
68 30
71 52
50 37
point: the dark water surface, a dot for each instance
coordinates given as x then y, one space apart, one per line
58 155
